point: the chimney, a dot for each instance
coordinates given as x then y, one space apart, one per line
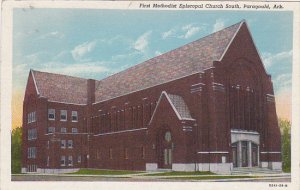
91 91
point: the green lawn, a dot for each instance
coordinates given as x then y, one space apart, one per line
212 177
104 172
173 173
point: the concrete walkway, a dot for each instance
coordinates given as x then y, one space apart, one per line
280 177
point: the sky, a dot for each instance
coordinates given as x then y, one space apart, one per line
92 43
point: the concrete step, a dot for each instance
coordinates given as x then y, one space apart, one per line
246 170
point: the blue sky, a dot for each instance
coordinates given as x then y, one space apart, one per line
98 43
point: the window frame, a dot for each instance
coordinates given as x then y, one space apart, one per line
63 158
49 113
74 114
63 144
74 130
70 142
64 113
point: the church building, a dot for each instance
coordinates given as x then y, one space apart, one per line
206 106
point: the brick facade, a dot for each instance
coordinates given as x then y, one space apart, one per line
189 121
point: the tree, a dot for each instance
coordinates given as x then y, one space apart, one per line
16 152
285 128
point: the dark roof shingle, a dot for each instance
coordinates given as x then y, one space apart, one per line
183 61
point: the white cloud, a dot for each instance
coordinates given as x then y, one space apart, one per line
80 69
189 30
271 59
168 34
54 34
141 44
219 25
183 32
81 50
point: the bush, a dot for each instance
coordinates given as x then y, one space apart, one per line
285 128
16 152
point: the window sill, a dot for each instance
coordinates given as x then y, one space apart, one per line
63 120
74 121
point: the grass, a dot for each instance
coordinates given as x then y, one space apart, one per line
104 172
174 173
212 177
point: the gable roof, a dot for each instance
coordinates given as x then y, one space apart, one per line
183 61
190 58
178 105
60 88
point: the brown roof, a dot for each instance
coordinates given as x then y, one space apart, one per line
185 60
61 88
191 58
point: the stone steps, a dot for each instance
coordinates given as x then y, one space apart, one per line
254 170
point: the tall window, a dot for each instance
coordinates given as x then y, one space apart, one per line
63 143
32 135
143 152
70 161
51 114
31 117
63 115
79 159
62 160
110 153
74 116
48 160
31 152
126 154
70 143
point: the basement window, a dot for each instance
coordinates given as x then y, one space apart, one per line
51 114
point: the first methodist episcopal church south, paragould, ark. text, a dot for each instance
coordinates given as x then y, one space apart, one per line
206 106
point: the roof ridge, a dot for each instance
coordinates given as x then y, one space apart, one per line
75 77
149 60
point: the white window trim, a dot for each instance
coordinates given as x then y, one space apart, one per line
63 158
74 115
70 164
49 114
66 113
63 142
71 144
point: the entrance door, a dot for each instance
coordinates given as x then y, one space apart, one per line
244 153
254 153
165 152
234 155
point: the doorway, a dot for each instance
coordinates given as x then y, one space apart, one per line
165 150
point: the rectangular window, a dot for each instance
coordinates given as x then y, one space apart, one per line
110 153
51 130
126 153
62 160
63 115
143 152
70 160
48 160
31 117
79 159
63 144
32 135
51 114
48 144
31 151
70 143
63 130
74 116
74 130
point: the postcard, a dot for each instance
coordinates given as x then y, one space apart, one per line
150 94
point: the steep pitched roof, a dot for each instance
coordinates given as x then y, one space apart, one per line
180 106
185 60
191 58
61 88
